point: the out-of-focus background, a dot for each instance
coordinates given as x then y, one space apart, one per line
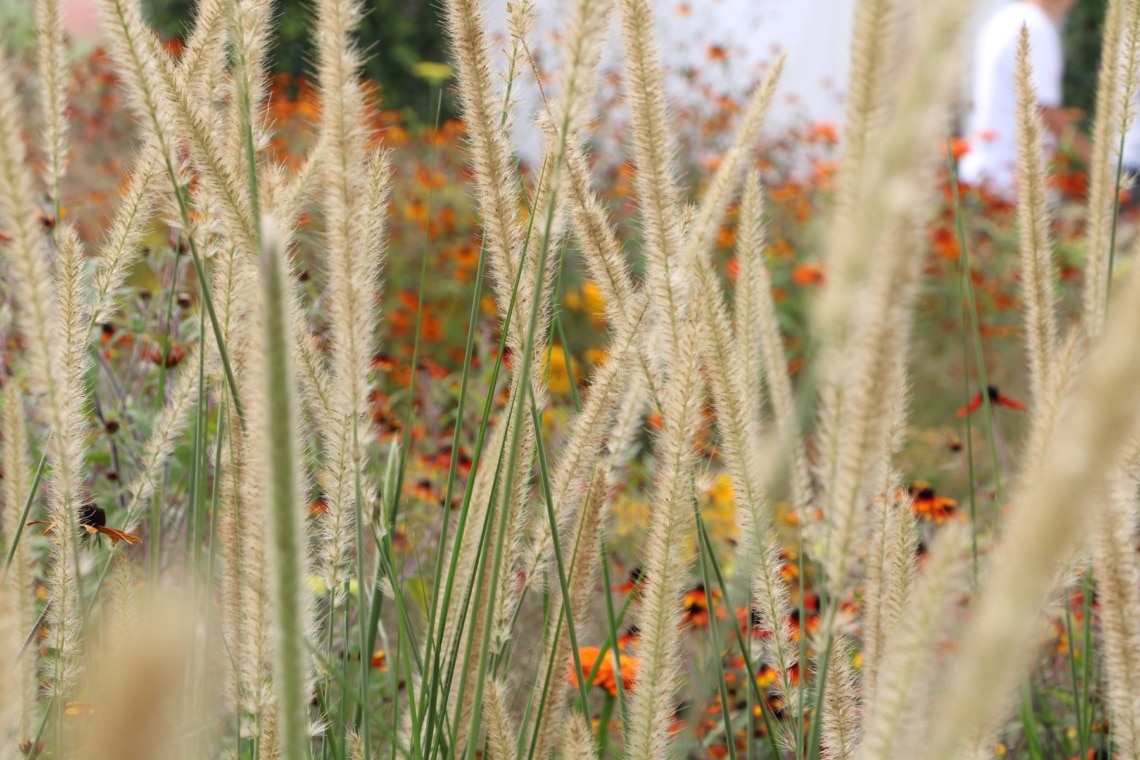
713 48
714 52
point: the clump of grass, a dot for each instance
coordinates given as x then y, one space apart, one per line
326 627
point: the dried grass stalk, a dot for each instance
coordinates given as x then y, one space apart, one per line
1033 224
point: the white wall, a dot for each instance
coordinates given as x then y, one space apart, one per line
815 34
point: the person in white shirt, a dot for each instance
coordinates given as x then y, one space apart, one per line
992 139
1130 158
1130 164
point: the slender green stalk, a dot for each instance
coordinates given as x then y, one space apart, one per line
714 638
284 505
512 465
15 542
975 328
742 642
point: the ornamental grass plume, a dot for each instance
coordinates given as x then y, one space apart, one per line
741 441
578 741
894 724
122 246
665 561
890 571
1033 222
50 310
580 539
840 732
137 695
51 66
1116 83
864 316
654 154
19 573
13 708
1117 574
759 342
348 195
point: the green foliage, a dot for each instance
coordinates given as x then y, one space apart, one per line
1082 53
17 29
394 34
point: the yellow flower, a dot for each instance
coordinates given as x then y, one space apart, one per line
433 71
592 299
588 298
596 356
630 515
557 373
718 512
721 492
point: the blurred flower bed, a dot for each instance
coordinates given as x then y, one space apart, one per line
434 301
433 231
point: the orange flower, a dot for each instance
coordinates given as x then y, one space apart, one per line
631 583
424 491
416 210
822 172
606 677
113 341
812 627
807 274
732 269
173 46
431 329
945 243
380 659
725 237
383 362
172 358
823 131
958 148
928 505
432 368
995 397
696 605
789 565
93 519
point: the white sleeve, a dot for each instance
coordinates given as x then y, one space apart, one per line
1047 59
